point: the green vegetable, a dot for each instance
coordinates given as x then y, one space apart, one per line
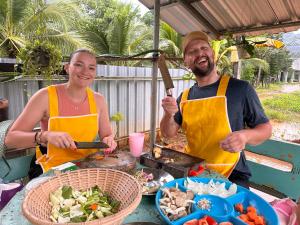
66 192
115 206
79 219
64 198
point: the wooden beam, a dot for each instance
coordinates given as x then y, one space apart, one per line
260 28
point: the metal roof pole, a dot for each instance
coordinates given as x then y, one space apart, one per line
154 75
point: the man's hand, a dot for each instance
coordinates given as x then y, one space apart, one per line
235 141
109 140
169 105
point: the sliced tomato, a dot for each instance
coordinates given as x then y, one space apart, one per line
210 220
191 222
202 222
225 223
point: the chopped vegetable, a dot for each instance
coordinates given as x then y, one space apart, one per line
94 207
250 216
206 220
66 192
239 208
70 205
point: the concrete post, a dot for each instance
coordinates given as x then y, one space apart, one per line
292 76
285 76
279 76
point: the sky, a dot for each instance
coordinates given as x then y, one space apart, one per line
143 8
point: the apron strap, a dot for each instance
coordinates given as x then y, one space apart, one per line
223 85
53 101
92 102
184 98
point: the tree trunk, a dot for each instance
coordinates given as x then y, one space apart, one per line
258 79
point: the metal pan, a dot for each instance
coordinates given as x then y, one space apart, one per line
160 177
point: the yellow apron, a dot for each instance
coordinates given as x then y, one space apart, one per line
206 123
81 128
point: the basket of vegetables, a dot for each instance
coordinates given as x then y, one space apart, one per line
87 196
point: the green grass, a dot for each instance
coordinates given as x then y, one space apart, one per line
283 107
272 87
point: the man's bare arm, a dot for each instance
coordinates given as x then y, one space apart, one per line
168 126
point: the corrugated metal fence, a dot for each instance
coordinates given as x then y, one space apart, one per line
126 89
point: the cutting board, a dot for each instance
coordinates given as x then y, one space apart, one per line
120 160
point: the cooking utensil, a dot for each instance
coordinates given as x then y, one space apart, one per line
119 160
89 145
165 74
178 167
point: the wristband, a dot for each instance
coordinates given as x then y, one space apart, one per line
35 136
38 138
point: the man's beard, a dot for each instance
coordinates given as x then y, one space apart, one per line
204 72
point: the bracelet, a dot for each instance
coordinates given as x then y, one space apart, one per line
39 136
35 136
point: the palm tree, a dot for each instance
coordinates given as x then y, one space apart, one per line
252 65
170 40
23 21
119 33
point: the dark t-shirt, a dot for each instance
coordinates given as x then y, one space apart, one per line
243 106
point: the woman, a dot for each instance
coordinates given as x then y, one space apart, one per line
67 112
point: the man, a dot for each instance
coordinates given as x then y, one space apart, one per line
218 114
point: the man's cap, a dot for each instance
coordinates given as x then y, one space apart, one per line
195 35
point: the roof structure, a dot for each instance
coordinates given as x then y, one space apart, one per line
237 17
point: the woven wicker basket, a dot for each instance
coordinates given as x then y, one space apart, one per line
120 185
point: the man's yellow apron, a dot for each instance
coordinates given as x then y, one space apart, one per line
206 123
81 128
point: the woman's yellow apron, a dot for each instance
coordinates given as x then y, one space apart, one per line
206 123
81 128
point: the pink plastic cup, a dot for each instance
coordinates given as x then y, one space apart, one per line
136 143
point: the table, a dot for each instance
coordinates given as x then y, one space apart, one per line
11 214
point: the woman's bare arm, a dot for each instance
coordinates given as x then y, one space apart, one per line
105 130
20 134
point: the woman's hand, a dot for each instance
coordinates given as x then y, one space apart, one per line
109 140
58 139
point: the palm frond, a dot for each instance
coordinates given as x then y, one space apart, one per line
121 27
60 14
256 62
67 41
136 43
99 41
170 40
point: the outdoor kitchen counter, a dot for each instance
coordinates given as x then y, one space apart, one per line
11 214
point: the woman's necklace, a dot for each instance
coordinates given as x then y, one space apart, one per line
76 104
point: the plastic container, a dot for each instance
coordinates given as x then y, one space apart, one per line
136 143
222 209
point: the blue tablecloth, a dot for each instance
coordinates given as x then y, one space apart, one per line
11 214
